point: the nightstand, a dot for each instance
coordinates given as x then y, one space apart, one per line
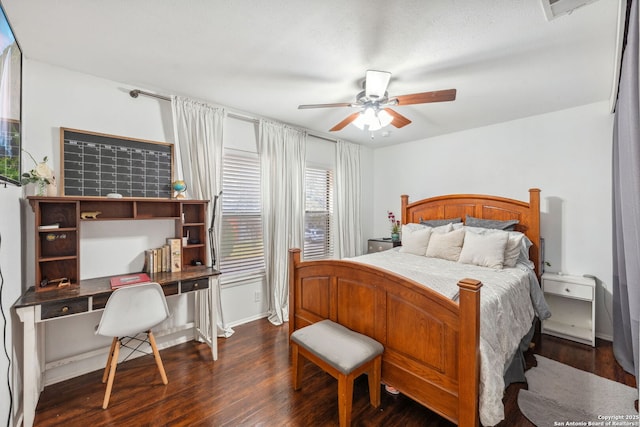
381 244
571 300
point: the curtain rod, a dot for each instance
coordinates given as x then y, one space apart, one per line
136 92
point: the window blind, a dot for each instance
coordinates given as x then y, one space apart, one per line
241 248
318 243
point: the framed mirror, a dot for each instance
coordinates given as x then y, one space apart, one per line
10 103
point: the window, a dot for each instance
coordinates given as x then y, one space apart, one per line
318 215
241 250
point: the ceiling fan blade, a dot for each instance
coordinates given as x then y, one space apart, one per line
345 122
338 104
426 97
398 119
376 83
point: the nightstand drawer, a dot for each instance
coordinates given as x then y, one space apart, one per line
569 290
379 245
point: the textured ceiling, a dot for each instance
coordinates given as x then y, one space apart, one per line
267 57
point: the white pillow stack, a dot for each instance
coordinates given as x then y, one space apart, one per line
484 247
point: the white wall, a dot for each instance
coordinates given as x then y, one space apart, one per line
567 154
10 268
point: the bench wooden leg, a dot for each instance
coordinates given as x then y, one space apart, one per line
374 382
345 399
298 365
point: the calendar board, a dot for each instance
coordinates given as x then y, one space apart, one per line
95 164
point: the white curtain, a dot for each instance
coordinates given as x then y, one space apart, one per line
198 133
282 163
348 234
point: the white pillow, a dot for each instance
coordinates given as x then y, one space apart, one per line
446 245
513 249
485 250
415 240
515 244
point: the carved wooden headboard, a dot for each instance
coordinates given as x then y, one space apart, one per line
482 206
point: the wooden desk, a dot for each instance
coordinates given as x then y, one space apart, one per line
35 308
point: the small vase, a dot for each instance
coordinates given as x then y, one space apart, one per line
41 188
52 189
395 237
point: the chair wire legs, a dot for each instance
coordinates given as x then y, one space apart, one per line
112 363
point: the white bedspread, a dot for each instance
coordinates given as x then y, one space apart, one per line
506 312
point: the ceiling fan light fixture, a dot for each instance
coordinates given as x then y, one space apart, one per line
385 118
372 120
374 102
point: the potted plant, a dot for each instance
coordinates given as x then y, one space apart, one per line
395 226
41 175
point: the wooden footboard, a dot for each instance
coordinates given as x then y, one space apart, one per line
431 344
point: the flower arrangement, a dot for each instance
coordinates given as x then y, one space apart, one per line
395 225
41 175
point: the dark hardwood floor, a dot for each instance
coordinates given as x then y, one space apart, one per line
250 385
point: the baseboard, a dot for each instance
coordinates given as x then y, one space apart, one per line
605 337
248 319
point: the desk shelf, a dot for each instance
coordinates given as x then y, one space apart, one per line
56 247
58 223
193 227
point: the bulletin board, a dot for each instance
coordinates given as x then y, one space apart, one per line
95 164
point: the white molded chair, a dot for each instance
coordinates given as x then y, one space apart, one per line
131 310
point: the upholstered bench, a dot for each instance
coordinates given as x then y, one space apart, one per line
342 353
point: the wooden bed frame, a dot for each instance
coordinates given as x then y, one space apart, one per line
431 342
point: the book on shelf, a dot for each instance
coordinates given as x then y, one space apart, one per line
175 257
148 261
49 226
166 258
129 279
156 261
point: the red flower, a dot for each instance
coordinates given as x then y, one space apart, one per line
395 225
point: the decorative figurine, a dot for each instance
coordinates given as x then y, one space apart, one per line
179 187
90 215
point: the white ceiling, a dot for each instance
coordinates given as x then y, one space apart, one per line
267 57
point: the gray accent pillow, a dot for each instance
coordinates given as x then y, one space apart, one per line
509 225
439 222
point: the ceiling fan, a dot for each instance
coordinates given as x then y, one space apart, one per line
374 103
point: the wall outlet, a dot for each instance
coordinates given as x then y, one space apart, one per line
257 296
